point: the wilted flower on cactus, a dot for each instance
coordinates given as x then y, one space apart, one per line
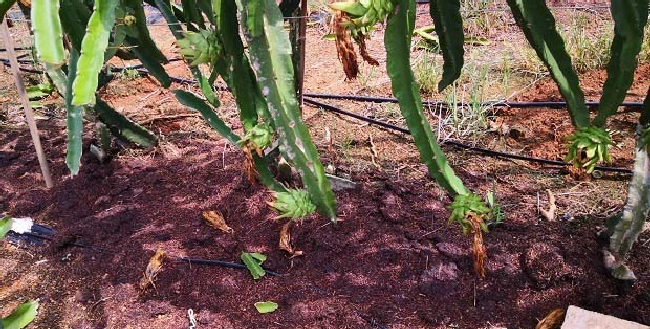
200 47
293 203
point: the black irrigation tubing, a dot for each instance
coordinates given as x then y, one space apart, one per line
430 103
17 49
371 321
221 263
406 131
456 144
551 104
29 235
6 62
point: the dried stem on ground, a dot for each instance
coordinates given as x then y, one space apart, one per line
550 213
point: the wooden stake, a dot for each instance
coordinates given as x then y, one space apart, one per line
302 47
29 114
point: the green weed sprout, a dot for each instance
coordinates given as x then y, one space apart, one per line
589 146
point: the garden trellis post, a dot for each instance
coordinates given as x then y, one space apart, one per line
29 113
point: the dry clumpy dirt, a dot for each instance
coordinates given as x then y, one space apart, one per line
393 262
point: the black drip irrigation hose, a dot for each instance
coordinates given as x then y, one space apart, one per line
386 125
371 321
374 99
6 63
500 103
38 235
221 263
335 109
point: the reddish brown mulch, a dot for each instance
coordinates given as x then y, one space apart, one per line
392 260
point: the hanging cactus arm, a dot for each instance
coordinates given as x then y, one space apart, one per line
644 120
75 120
192 13
631 223
397 40
48 33
141 31
93 46
118 41
630 18
538 24
176 29
147 55
449 28
122 127
239 74
197 104
74 19
206 9
5 5
172 22
143 46
270 54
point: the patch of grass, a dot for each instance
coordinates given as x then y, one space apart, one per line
368 77
478 20
589 48
427 69
466 117
128 74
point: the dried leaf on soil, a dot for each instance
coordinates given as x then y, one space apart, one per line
552 320
285 240
216 220
344 47
478 249
153 268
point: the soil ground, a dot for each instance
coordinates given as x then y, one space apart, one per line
393 262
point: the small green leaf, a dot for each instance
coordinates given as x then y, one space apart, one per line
490 198
329 37
253 262
266 307
5 226
22 316
39 91
260 257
